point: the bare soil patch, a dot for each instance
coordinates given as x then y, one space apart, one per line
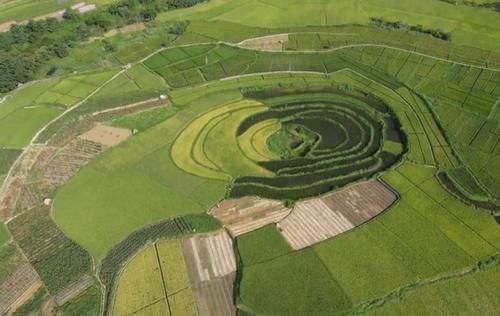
107 135
271 42
5 27
247 214
211 265
18 288
136 27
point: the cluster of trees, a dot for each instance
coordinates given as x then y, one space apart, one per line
414 28
494 5
27 47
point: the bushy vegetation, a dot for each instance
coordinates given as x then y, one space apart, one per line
86 304
413 28
57 259
26 47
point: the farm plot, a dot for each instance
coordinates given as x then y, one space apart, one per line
14 184
67 161
155 279
120 254
265 43
57 259
306 159
31 108
211 266
470 294
7 158
106 135
247 214
315 220
12 289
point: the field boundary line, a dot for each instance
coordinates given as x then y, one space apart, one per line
445 207
162 278
131 105
358 45
399 293
33 139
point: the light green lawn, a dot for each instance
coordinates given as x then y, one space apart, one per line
468 25
130 186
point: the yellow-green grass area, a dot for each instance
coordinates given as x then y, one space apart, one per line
208 146
469 26
145 184
472 294
136 183
155 282
253 143
428 234
19 10
427 145
28 109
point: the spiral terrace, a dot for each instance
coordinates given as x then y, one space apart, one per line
292 145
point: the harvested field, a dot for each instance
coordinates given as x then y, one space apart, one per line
68 161
136 27
212 270
13 288
270 43
247 214
106 135
13 185
319 219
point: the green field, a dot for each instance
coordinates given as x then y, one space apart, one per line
400 91
30 108
468 26
19 10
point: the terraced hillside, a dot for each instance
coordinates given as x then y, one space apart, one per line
258 159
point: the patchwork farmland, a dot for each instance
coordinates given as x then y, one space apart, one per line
249 158
316 220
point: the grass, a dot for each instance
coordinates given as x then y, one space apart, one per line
86 304
196 150
308 289
253 143
470 294
146 119
20 10
29 109
7 157
262 245
427 233
466 24
10 259
4 235
141 181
